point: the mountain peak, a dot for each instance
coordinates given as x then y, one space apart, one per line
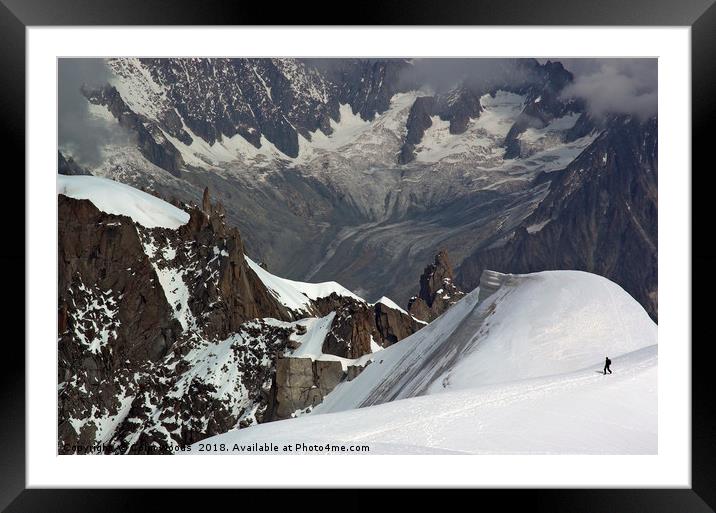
437 290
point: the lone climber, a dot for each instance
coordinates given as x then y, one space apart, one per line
607 363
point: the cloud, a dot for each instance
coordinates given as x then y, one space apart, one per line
442 74
80 134
614 86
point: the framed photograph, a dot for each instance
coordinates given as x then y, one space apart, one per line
429 250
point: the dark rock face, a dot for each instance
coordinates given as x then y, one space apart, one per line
274 98
393 325
459 107
367 85
150 139
101 254
138 310
542 84
281 99
352 328
543 104
356 324
219 387
208 255
302 383
437 290
418 121
113 316
600 216
166 337
585 125
277 98
67 166
354 371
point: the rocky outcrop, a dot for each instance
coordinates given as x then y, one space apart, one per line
352 329
543 104
208 257
367 85
276 98
393 325
358 325
356 328
459 106
600 216
418 121
113 315
166 337
103 271
204 388
541 84
280 99
437 290
302 383
139 311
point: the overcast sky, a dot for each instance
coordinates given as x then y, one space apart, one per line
627 86
79 133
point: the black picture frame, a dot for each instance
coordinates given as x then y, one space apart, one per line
17 15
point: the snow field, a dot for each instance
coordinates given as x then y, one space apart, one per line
518 373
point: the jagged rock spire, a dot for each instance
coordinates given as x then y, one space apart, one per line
433 276
206 202
437 290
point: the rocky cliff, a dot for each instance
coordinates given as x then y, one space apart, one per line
136 305
437 290
273 100
357 325
541 86
302 153
600 215
167 336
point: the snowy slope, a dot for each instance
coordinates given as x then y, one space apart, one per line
119 199
391 304
518 372
577 413
363 144
297 295
312 342
535 325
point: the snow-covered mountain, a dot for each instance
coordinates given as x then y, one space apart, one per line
599 215
168 333
353 169
514 367
343 178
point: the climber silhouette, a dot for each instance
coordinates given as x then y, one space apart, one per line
607 363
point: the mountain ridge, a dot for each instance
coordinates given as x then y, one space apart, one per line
168 334
476 163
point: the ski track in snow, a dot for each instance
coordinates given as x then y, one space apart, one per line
538 416
516 372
